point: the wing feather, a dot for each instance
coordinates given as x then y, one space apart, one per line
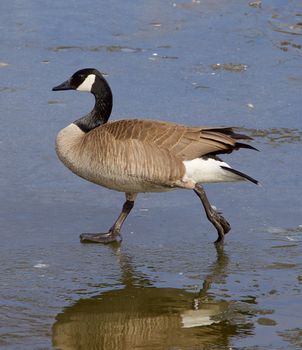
182 141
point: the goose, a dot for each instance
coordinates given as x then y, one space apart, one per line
136 155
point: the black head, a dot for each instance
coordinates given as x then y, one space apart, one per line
82 80
91 80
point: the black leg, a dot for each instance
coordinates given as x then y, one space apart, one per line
114 231
220 223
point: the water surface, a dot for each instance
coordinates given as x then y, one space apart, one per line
167 286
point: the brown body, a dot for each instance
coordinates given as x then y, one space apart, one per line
138 155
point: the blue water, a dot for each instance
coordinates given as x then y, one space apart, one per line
164 60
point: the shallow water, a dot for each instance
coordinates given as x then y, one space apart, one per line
166 286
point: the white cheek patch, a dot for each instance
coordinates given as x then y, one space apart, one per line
87 83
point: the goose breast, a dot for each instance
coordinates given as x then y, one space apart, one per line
123 165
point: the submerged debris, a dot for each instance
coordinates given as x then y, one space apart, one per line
285 45
286 28
4 64
155 24
292 336
108 48
264 321
256 3
7 89
277 136
232 67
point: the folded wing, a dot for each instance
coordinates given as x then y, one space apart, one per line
182 141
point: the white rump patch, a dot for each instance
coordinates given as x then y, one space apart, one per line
197 318
87 83
206 170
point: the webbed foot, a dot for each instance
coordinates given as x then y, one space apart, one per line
221 224
214 216
104 238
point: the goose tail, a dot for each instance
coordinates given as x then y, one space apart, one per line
210 169
240 174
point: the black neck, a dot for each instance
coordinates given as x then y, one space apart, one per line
102 108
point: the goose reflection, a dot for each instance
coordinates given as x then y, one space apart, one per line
140 316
